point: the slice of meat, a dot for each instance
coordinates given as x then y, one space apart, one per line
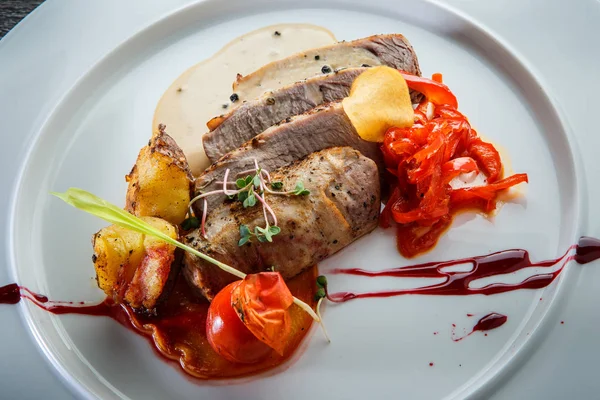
253 117
342 206
280 145
392 50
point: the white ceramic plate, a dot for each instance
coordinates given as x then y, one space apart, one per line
380 347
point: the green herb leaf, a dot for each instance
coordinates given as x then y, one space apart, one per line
266 234
274 230
245 231
240 183
256 180
248 180
320 294
321 281
242 196
260 234
276 185
190 223
299 190
94 205
245 235
250 201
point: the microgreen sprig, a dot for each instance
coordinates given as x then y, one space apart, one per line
299 190
250 190
276 185
261 234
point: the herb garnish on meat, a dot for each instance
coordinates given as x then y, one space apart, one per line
250 190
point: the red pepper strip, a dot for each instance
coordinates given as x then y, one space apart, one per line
424 112
453 168
403 146
437 77
487 192
488 158
410 243
457 135
426 159
262 301
418 215
431 196
448 112
436 92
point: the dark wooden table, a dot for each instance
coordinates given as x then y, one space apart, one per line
12 11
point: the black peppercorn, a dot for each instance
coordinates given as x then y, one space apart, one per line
277 33
326 69
234 97
317 58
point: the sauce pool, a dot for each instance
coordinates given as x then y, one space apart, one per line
178 332
203 91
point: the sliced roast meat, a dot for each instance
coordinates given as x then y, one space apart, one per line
321 128
342 206
255 116
392 50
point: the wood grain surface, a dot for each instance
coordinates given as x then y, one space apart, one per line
13 11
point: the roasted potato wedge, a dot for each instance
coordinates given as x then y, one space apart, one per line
160 182
132 267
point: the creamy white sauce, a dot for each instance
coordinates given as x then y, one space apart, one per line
304 65
200 93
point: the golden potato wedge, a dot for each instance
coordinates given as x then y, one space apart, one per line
132 267
160 182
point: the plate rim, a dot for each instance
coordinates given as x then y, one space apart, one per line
78 388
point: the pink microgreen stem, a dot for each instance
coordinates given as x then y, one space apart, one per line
267 208
204 209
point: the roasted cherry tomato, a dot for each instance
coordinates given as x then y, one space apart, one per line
228 335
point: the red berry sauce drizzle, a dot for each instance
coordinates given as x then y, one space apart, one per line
457 283
454 284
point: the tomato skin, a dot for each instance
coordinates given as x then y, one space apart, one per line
228 335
